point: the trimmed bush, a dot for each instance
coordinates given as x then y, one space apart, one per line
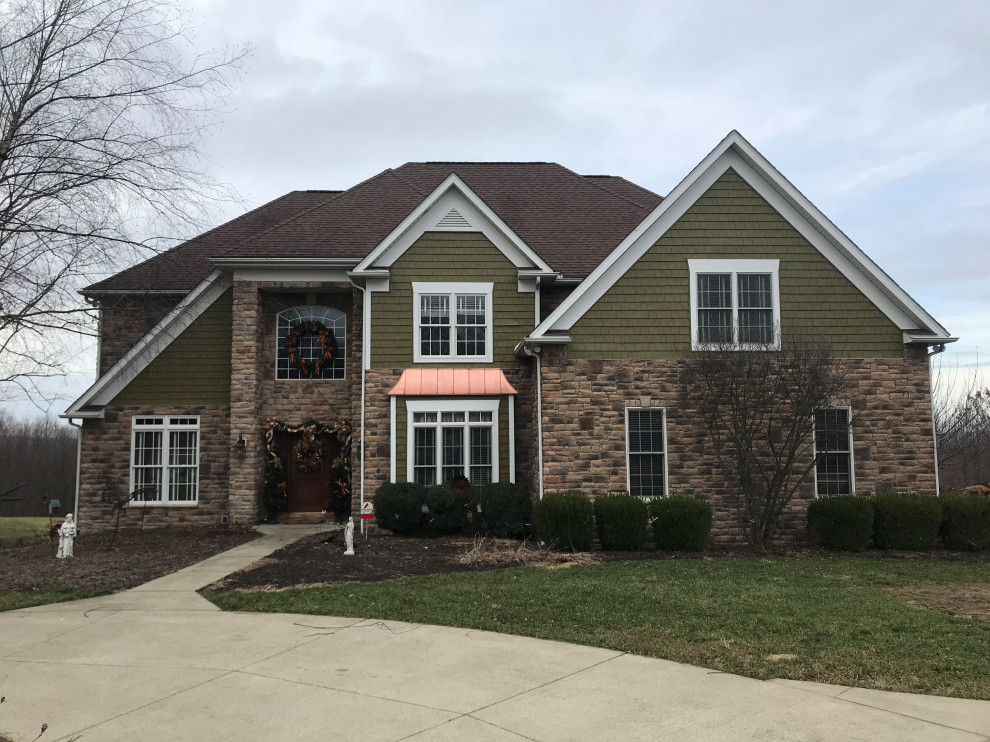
448 508
399 506
966 523
506 508
564 521
621 522
842 522
905 520
681 522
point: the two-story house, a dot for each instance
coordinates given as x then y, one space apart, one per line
504 321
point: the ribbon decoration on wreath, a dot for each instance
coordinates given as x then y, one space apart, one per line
311 367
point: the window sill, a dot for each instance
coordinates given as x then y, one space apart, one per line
142 504
730 348
453 359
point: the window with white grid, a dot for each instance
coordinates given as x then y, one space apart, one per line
833 451
646 451
453 321
310 345
453 438
735 304
165 459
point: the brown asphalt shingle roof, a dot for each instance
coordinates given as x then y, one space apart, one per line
571 221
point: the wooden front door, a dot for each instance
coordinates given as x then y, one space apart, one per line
307 483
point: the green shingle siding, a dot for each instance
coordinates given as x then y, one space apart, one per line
647 313
194 369
456 257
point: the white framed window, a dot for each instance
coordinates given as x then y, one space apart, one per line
450 438
646 451
834 467
165 459
735 304
452 322
310 346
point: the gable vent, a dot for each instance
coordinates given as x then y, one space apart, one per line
453 220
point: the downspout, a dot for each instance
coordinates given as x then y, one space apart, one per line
365 331
936 349
534 351
75 507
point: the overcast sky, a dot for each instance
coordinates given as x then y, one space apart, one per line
879 112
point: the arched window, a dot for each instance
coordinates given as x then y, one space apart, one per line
310 346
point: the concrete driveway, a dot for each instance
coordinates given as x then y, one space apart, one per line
161 663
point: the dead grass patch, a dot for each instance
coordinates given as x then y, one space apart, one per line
968 600
484 551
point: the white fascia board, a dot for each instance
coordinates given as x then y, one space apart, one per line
320 263
736 153
291 275
453 193
150 346
927 338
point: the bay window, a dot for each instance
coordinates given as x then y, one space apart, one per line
452 438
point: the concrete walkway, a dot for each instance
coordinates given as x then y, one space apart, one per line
161 663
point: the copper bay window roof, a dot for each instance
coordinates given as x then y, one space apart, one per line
452 382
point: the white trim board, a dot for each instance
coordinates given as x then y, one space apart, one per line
454 194
736 153
148 348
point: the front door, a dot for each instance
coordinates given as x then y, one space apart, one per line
307 473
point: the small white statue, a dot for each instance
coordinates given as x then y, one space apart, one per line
66 533
349 537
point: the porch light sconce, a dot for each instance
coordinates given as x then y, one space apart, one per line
240 448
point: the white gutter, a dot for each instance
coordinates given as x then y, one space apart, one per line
534 351
75 506
931 403
365 334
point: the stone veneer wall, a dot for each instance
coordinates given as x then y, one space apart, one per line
584 405
256 395
106 448
126 319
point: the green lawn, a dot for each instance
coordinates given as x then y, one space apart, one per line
11 600
812 618
14 529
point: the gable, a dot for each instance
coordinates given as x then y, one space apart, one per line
453 207
647 312
737 154
454 257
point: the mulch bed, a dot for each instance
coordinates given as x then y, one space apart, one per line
319 559
136 558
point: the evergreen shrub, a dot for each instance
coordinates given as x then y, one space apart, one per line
621 522
841 522
565 521
681 522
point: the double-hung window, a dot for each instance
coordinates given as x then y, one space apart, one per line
452 438
735 304
833 451
165 459
646 451
453 322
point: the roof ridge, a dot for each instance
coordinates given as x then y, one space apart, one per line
417 190
603 188
165 256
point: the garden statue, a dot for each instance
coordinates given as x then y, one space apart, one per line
66 533
349 537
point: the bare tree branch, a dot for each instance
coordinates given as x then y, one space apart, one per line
757 406
104 106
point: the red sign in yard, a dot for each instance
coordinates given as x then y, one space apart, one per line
367 511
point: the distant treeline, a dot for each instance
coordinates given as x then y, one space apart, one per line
39 454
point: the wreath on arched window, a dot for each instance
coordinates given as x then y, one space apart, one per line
311 367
